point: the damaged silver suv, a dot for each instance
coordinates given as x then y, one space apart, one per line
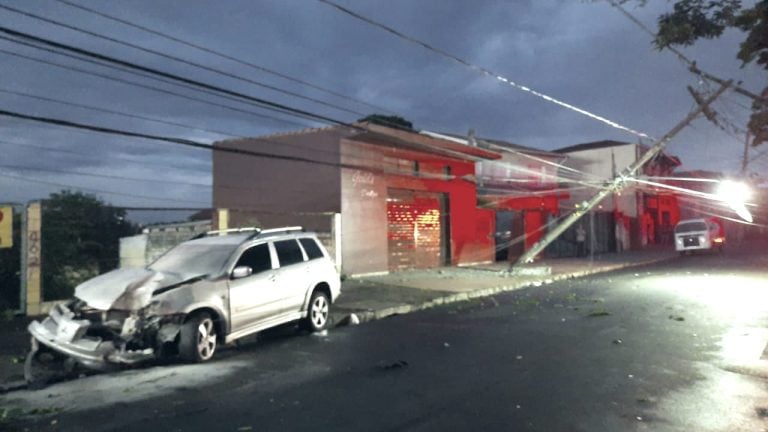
206 291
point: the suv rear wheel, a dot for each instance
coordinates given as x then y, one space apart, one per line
319 310
197 342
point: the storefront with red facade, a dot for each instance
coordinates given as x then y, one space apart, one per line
415 206
521 221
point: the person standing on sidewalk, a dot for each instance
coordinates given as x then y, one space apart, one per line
581 240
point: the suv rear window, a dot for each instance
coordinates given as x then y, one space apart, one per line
311 248
687 227
288 252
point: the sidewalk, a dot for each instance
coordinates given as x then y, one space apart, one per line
376 297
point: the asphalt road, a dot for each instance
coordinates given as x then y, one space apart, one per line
676 346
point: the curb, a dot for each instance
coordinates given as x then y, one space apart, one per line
367 316
12 386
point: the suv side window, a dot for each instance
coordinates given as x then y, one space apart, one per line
288 252
257 258
311 248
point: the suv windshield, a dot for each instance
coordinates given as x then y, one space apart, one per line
686 227
191 259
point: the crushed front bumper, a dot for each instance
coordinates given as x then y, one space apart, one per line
62 333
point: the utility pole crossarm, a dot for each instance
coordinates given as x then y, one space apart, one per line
618 182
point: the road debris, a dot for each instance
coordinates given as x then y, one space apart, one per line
399 364
599 312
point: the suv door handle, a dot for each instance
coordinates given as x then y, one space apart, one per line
272 277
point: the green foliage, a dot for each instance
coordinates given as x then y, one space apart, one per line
80 239
389 121
691 20
694 19
758 122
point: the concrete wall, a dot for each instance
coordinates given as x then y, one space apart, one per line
142 249
133 251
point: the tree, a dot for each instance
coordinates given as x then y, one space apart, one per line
389 121
80 239
691 20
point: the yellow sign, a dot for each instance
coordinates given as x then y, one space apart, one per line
6 227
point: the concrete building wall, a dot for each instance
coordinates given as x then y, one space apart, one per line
518 170
272 185
599 165
357 172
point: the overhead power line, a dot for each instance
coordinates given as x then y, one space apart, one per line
103 191
266 103
184 142
164 92
118 113
173 140
180 60
104 176
148 87
223 55
95 157
484 70
250 188
193 144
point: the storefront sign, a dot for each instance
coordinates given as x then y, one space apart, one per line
6 227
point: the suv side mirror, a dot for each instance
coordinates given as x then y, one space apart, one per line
241 272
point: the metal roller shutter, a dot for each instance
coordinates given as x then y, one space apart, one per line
414 229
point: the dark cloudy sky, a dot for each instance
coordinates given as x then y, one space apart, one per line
585 53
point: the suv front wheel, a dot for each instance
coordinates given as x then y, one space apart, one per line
318 312
197 341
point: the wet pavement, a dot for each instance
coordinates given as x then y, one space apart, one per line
674 346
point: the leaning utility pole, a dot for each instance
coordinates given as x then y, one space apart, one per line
745 156
618 182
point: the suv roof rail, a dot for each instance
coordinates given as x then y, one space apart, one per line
256 231
226 231
280 230
276 231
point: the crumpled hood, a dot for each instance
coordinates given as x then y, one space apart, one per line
125 288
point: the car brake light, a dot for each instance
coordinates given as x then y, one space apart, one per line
719 240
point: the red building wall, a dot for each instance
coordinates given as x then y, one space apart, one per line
364 204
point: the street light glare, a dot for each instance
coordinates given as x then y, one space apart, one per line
735 194
733 191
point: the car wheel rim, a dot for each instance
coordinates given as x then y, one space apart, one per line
319 311
206 339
